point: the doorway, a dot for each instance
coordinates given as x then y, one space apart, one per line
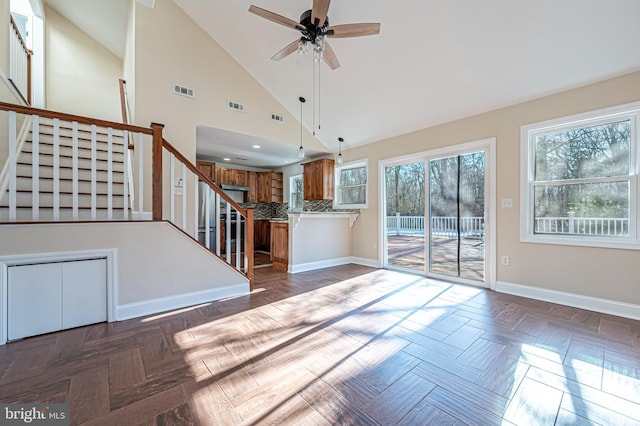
436 213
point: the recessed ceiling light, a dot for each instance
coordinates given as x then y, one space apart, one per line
226 159
256 147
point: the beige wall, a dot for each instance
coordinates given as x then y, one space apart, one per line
129 61
170 48
81 75
603 273
154 260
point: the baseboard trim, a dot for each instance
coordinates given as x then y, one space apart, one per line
363 261
604 306
163 304
311 266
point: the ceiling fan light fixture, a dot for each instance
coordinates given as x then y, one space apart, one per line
303 47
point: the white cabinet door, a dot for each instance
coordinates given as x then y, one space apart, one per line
84 292
35 299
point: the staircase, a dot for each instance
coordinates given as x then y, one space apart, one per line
64 168
88 186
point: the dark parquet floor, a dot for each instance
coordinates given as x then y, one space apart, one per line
344 345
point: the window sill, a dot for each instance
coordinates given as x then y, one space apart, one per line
629 244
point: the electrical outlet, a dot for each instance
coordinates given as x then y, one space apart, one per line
505 260
507 203
178 190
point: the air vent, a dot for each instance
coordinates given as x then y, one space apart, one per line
235 106
277 117
184 91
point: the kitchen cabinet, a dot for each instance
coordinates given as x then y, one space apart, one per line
226 176
262 235
280 245
318 179
207 169
270 187
252 195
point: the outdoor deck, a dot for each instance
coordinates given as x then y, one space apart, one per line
408 251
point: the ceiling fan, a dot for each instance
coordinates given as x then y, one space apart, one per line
314 27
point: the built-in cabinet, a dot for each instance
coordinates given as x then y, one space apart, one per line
47 297
252 195
280 245
318 179
226 176
262 235
270 187
207 169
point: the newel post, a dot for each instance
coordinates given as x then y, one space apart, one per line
156 176
248 246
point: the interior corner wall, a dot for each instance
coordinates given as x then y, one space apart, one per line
81 74
5 13
129 64
171 48
595 272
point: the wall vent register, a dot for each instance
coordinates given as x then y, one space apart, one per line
184 91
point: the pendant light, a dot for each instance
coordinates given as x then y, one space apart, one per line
301 150
340 140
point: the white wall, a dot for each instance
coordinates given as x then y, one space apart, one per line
154 260
170 48
81 75
318 240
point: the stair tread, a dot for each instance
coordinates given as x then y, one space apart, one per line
86 148
80 158
71 179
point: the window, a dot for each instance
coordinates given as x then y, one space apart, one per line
580 179
295 192
351 185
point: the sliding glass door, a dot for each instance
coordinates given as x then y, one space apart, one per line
435 214
405 206
457 216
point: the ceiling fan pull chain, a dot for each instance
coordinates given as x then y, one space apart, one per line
319 95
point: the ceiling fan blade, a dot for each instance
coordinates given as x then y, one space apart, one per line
329 56
353 30
290 23
319 11
286 51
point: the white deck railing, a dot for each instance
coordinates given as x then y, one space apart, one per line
441 226
473 227
597 226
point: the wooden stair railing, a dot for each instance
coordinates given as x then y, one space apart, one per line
74 167
19 63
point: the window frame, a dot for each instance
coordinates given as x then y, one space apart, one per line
292 180
529 132
346 166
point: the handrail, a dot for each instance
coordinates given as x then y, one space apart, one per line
123 101
158 196
246 213
22 109
22 42
19 71
202 177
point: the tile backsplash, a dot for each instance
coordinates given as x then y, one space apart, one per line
265 211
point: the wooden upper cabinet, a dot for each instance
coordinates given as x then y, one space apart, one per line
207 169
318 179
252 180
226 176
270 187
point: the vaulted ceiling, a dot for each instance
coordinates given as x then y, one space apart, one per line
434 60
